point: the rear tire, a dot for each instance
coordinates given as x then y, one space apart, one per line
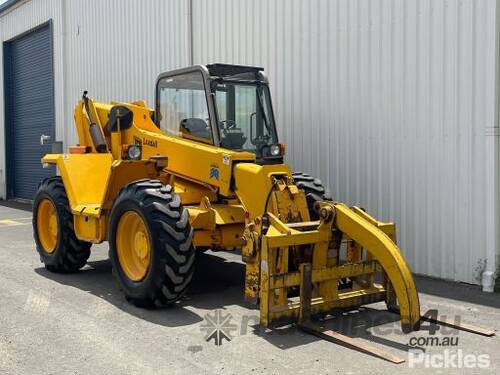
170 237
68 253
314 190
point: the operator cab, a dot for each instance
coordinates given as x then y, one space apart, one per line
228 106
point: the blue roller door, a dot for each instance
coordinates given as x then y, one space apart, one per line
29 88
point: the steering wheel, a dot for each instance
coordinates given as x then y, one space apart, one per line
228 124
262 140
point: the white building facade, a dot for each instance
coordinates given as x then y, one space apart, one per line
393 104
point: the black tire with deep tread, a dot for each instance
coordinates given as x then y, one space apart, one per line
172 251
70 253
314 190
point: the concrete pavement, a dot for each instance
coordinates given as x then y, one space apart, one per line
81 324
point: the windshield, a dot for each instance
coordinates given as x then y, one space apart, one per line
245 117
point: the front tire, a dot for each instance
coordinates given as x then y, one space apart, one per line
151 244
56 242
314 190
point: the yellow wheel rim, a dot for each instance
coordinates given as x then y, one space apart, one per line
133 246
46 225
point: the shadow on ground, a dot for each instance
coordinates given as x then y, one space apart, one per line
457 291
216 284
24 206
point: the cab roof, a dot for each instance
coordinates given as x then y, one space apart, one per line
228 70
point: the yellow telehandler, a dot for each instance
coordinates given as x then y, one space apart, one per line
204 170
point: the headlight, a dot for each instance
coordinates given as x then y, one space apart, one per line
134 152
275 150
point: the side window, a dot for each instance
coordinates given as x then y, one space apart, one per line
183 107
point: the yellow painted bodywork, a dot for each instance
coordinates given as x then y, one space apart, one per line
235 203
368 234
85 179
92 181
186 158
253 182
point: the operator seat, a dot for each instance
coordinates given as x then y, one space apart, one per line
195 127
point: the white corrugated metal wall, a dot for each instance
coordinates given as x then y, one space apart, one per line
389 102
392 103
117 48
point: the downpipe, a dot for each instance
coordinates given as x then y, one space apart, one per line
489 275
488 281
492 134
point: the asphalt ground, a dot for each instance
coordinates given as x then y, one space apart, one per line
81 324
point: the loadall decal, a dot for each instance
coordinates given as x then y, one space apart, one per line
150 142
